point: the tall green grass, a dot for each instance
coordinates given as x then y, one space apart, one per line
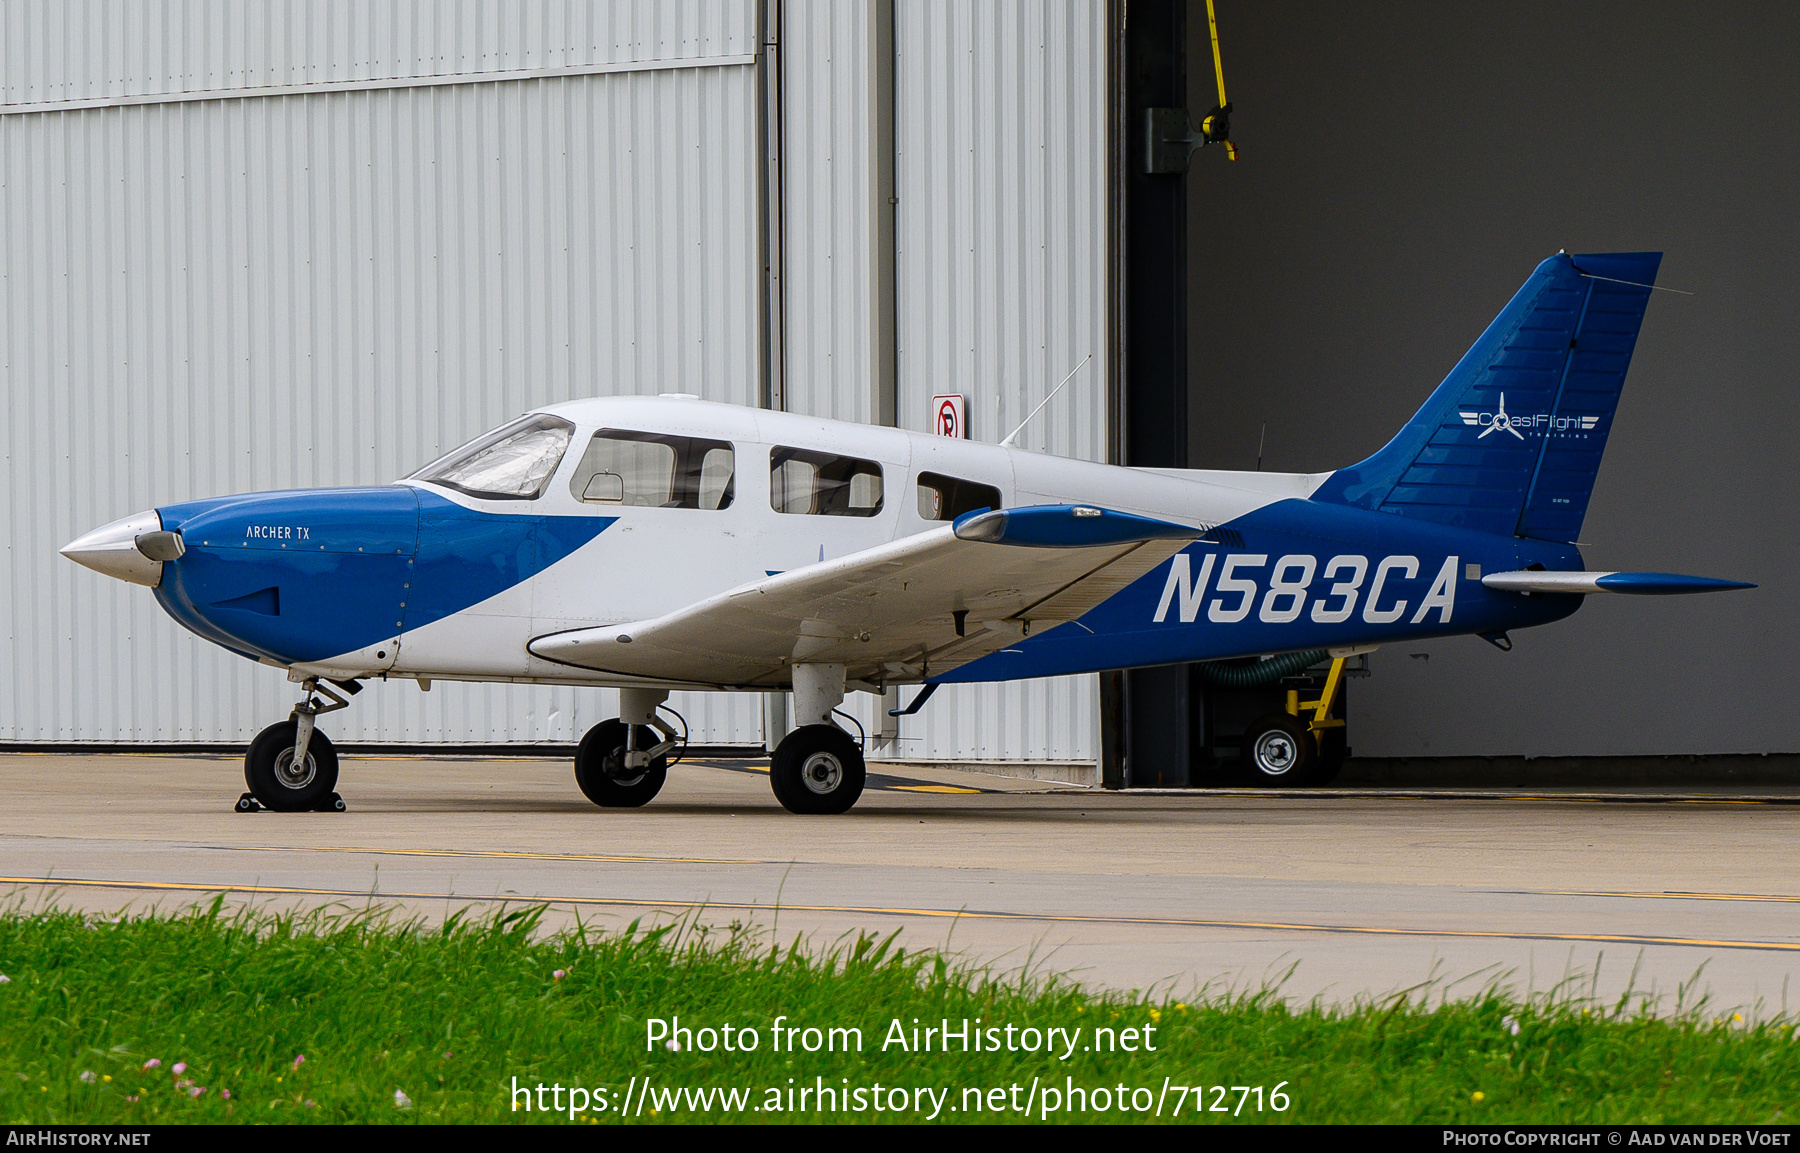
322 1017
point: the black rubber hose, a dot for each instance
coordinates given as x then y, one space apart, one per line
1260 673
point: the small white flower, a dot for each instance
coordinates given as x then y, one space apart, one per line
401 1100
672 1045
4 979
88 1076
1509 1024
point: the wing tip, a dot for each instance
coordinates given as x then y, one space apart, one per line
1663 583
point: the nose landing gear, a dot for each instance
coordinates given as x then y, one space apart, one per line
291 766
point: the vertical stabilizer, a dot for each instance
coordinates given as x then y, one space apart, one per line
1511 441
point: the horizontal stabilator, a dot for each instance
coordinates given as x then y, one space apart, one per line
1582 583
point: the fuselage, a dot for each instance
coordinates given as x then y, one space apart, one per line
653 504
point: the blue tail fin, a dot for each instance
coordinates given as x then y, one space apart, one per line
1510 443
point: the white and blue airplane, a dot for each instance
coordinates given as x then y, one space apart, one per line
651 544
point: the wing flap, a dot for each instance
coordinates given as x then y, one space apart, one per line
900 611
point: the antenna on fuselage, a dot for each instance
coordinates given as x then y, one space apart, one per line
1007 443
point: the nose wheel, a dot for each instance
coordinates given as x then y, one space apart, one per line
278 782
292 767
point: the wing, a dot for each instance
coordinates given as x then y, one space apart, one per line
900 612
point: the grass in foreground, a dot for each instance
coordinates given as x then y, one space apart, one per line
211 1016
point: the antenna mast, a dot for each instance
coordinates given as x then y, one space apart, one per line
1007 443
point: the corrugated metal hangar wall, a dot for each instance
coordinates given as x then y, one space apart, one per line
254 244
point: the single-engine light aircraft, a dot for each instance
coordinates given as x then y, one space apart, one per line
651 544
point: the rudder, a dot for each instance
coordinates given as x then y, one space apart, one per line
1511 441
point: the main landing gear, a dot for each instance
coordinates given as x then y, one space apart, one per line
622 763
817 768
1302 746
291 766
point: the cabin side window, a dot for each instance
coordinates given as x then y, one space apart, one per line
823 484
946 497
651 470
513 462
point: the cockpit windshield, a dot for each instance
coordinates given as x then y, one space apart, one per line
513 462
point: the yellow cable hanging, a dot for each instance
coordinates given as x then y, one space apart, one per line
1217 125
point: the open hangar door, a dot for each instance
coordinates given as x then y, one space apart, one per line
1402 166
261 245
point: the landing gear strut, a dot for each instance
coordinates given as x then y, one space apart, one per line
817 768
621 764
291 766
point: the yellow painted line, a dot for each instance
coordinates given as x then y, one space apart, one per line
948 914
1667 895
521 856
1452 793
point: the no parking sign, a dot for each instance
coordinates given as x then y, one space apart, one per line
948 416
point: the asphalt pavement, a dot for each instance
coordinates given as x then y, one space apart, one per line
1684 897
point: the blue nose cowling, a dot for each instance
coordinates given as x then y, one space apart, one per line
302 577
293 577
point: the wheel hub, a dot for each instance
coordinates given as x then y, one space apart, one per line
292 776
1276 753
618 773
823 773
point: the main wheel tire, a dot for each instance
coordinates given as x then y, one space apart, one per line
817 769
1279 752
270 775
600 767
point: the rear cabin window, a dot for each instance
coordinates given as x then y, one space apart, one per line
822 484
513 462
651 470
946 497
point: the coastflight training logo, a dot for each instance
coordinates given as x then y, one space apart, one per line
1501 421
